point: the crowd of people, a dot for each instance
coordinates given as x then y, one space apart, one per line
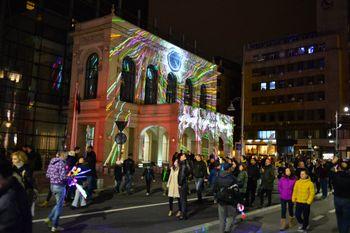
232 181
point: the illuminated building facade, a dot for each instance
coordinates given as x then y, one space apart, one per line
166 94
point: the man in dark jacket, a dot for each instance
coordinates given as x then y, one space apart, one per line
200 173
267 180
90 158
129 170
184 172
15 216
253 176
227 195
341 184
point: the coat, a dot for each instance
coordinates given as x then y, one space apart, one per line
304 191
268 177
173 185
242 179
285 187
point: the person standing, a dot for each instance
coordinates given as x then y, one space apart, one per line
90 158
173 189
15 216
184 172
323 174
118 175
227 194
57 174
148 175
285 189
253 176
200 173
129 170
303 196
242 179
267 180
341 184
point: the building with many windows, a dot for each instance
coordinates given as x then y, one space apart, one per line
166 95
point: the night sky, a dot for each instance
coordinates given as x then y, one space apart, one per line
222 27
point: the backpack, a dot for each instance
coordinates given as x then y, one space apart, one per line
228 194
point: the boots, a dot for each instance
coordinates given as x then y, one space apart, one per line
283 224
292 221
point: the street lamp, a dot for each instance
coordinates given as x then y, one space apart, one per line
339 125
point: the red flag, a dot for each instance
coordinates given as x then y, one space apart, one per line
76 111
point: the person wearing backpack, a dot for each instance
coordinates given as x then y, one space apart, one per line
226 193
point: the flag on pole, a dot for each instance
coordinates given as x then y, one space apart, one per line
76 111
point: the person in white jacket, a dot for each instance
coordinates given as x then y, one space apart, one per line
173 188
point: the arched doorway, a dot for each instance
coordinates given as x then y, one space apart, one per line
188 141
154 143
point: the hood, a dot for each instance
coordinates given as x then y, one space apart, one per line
54 160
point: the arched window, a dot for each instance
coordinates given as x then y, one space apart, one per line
171 89
188 97
127 87
91 77
203 97
151 85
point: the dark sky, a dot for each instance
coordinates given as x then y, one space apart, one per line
222 27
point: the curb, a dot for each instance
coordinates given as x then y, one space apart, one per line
198 228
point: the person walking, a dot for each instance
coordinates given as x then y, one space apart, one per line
15 216
184 172
173 189
226 193
341 184
303 196
285 189
165 177
148 175
253 177
57 174
78 197
200 173
118 175
129 170
90 159
267 180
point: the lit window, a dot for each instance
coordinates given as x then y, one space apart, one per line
262 86
311 49
268 134
301 50
272 85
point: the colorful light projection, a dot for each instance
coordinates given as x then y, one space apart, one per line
56 73
146 49
205 122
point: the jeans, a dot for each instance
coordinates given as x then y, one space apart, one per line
78 198
171 201
342 210
148 185
199 187
59 191
324 184
227 215
128 181
91 186
302 213
183 199
118 183
251 191
284 204
268 192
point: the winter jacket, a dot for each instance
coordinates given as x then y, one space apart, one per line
90 158
268 177
199 169
285 187
71 161
57 172
253 173
129 166
15 215
173 185
322 172
184 172
304 191
341 184
26 174
165 174
224 180
148 173
242 180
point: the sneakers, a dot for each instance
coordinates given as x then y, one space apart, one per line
178 214
147 194
57 229
48 222
170 213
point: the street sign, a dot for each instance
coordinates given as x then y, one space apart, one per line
121 125
120 138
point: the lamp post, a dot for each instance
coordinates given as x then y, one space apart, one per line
231 108
338 126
